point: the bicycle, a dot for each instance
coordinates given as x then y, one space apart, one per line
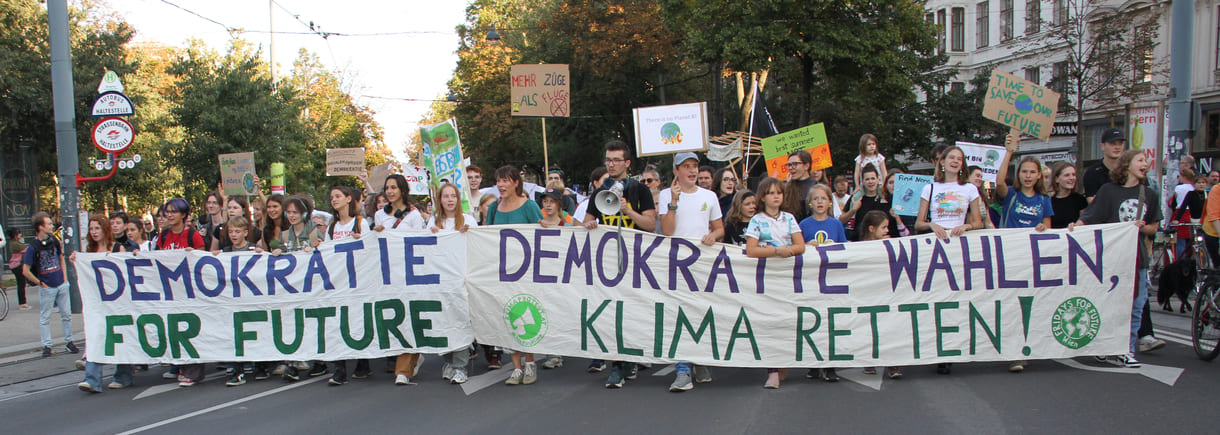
3 303
1205 318
1162 252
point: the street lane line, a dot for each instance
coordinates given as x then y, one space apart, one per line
1175 337
1163 374
476 383
225 405
856 374
171 386
665 370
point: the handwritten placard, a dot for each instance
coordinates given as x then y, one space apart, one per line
540 90
237 173
344 161
1021 104
907 188
810 138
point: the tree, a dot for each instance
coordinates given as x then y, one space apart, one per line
957 115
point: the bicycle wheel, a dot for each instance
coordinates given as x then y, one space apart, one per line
3 303
1204 326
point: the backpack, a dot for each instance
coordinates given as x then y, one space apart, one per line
38 246
330 230
190 237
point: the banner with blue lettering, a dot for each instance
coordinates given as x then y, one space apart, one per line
988 296
385 294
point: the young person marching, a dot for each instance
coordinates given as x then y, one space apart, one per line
693 212
514 207
737 218
449 217
237 235
398 212
299 236
773 233
178 234
875 225
1126 199
101 240
348 223
820 228
554 216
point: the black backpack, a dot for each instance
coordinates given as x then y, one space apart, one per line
38 246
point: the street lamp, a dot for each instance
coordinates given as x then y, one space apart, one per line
493 36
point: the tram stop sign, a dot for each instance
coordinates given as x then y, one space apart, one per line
113 135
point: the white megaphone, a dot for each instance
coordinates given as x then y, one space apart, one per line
610 201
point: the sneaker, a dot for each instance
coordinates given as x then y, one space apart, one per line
72 347
459 376
1102 359
829 375
447 371
553 362
116 386
318 370
180 377
80 364
291 374
1016 366
943 368
813 374
493 363
515 378
46 351
260 373
86 387
1149 343
360 374
236 379
419 362
1127 360
633 371
186 382
279 369
616 378
772 381
335 380
596 366
401 380
895 373
870 370
24 307
682 382
703 375
531 373
300 365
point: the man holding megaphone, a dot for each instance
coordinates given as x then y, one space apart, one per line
634 200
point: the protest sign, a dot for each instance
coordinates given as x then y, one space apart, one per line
382 295
907 188
1145 134
277 178
237 174
811 138
443 158
417 178
990 295
670 129
377 176
344 161
1021 104
540 90
986 157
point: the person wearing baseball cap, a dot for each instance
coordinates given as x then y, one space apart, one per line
1113 143
689 211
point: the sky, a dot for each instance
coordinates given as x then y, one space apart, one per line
381 69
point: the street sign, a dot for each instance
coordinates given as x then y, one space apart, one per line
110 83
113 135
112 104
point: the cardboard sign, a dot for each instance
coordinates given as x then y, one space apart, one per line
986 157
377 176
443 157
237 174
907 188
540 90
344 161
670 129
810 138
1021 104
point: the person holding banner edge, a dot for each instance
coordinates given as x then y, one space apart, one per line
515 208
101 239
773 233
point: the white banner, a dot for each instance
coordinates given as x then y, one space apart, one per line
378 296
988 296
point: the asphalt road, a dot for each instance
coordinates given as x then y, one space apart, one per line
1173 393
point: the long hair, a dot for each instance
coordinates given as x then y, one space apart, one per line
511 173
718 179
864 142
241 201
961 177
735 210
274 225
370 204
765 186
1119 174
439 212
404 189
302 205
351 195
1039 184
871 219
107 235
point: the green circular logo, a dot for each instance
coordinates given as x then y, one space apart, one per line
1075 323
526 319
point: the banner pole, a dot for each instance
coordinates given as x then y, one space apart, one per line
546 161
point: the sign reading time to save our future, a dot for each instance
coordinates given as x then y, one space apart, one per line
1021 104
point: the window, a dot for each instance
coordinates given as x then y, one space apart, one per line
958 30
1033 16
940 22
1061 12
1218 44
1059 83
958 87
1033 74
1142 43
1005 20
982 24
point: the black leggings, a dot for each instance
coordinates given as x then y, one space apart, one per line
20 286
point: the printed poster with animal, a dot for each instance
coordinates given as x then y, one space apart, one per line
670 129
986 157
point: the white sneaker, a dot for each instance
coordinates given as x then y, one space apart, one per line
80 364
447 372
401 380
84 386
515 378
301 365
531 373
1127 360
116 386
279 369
169 375
1149 343
459 376
553 362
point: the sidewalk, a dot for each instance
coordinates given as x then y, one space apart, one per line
19 331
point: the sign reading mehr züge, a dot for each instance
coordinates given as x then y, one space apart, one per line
1021 104
540 90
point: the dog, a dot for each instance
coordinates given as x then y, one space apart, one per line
1177 278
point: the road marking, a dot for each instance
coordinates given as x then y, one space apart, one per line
172 386
476 383
1163 374
224 405
856 374
664 371
1176 338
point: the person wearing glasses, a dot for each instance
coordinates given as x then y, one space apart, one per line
652 179
798 185
724 184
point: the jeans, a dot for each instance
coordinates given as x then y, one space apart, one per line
683 367
48 298
93 374
1137 307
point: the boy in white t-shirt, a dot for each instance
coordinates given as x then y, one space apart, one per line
687 210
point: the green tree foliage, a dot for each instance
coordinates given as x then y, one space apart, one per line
958 114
